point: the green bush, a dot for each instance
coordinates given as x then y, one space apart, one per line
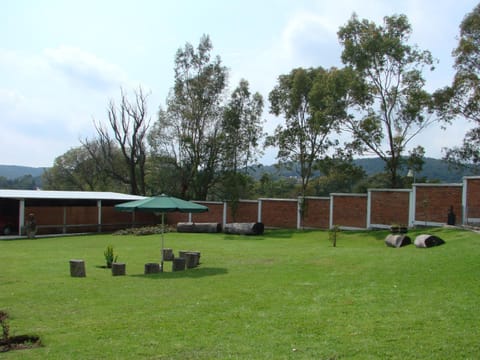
109 256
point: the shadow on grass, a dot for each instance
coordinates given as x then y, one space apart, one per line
280 234
188 273
268 234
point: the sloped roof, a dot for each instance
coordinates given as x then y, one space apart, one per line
72 195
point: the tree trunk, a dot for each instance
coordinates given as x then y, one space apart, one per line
178 264
168 255
77 268
397 240
190 227
152 268
244 228
118 269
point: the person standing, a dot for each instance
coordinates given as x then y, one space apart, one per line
31 226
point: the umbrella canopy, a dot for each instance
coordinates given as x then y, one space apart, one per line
161 204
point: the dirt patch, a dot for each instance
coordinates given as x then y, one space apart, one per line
19 342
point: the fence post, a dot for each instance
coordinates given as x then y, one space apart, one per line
464 202
330 221
412 205
369 208
259 218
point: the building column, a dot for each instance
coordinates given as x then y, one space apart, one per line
21 216
99 215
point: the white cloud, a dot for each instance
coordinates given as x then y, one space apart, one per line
84 68
47 103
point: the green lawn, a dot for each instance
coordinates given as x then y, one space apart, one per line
284 295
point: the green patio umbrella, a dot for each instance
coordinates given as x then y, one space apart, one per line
160 205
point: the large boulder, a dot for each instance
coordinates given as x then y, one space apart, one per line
426 241
397 241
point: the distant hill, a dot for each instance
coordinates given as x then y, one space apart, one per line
433 170
20 177
12 172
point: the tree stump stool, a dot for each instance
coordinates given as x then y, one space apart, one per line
178 264
152 268
168 255
191 259
118 269
77 268
196 258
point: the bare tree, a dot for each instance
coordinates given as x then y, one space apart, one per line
120 147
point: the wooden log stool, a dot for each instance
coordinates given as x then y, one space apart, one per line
118 269
77 268
178 264
168 255
196 258
152 268
190 259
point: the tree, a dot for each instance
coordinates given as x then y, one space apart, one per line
192 120
463 97
313 103
77 170
241 134
129 124
390 104
242 128
338 174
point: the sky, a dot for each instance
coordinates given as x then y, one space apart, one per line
62 62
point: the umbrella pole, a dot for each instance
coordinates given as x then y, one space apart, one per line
163 227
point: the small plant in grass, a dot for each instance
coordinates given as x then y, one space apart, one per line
109 256
333 234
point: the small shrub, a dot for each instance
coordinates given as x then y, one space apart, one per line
109 256
5 328
145 230
333 234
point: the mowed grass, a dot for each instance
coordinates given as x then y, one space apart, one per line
283 295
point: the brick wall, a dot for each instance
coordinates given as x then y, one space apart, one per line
472 198
349 210
389 207
316 213
247 211
280 213
432 202
214 214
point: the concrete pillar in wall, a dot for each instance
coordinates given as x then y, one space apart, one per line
64 230
259 217
411 208
464 202
224 215
330 221
369 209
